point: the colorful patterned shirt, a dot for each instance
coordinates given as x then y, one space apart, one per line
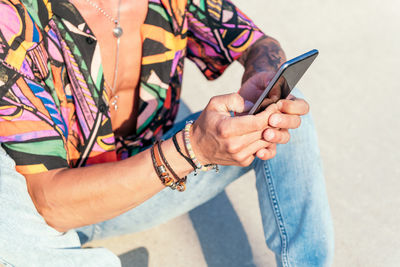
54 109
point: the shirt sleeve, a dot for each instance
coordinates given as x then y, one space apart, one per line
32 130
218 33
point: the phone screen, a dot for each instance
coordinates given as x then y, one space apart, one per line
284 81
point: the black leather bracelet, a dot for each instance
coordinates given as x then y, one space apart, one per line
165 160
183 155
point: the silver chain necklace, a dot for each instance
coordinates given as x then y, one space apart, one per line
117 32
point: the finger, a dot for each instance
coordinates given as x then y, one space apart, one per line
246 124
286 121
281 136
262 79
238 143
231 102
296 106
266 102
255 85
247 106
266 153
276 90
275 94
246 156
226 103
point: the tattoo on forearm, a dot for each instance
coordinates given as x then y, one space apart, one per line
264 55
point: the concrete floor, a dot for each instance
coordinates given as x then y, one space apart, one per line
353 88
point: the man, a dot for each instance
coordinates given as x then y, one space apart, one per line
62 109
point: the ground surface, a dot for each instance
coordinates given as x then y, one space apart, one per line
353 88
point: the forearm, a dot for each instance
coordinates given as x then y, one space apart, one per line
265 54
69 198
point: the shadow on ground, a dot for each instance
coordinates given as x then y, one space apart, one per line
220 232
138 257
221 236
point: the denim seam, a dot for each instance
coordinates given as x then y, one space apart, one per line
278 215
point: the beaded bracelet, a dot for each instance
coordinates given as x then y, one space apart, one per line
180 182
189 149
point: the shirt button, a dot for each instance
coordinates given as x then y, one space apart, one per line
103 108
89 40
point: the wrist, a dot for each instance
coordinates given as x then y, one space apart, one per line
188 131
178 163
195 137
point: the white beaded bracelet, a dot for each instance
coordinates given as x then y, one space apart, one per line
189 149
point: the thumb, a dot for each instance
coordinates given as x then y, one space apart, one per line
231 103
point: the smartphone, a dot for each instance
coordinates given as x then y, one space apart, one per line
284 80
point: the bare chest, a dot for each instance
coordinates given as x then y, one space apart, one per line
128 55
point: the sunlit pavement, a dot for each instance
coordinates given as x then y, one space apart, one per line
353 89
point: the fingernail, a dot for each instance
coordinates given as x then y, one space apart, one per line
279 103
248 105
269 135
275 120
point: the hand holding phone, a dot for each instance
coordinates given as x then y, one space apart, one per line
284 81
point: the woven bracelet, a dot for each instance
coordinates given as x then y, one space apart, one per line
160 168
180 182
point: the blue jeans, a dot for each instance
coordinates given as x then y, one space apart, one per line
291 192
